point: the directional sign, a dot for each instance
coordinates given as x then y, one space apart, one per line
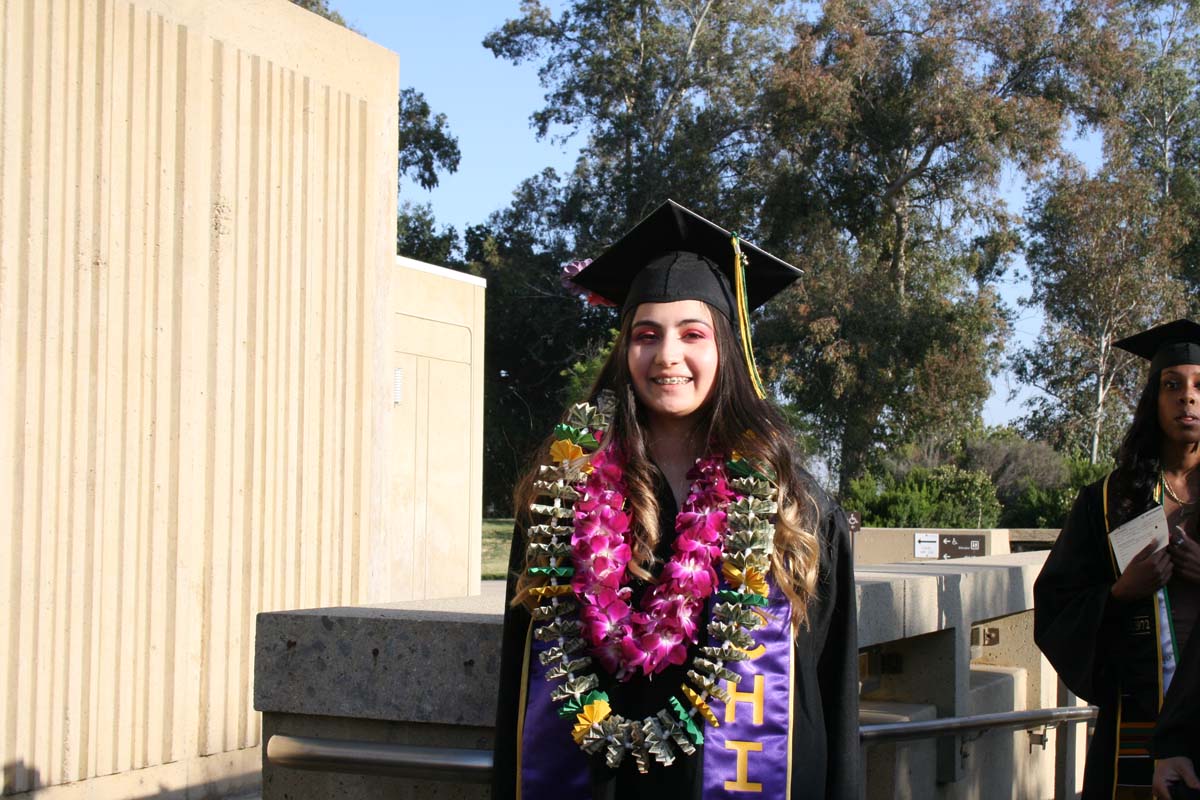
925 545
960 545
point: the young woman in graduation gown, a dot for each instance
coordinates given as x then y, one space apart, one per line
1117 638
681 618
1176 741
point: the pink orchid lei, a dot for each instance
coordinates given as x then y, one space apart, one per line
647 641
730 507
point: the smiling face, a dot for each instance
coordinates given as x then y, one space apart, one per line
1179 403
673 358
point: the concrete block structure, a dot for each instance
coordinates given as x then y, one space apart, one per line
201 322
429 542
426 673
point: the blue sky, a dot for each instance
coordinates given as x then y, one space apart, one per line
488 103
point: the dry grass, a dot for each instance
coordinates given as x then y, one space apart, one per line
497 539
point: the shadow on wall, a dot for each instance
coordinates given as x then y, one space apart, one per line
20 777
986 588
18 774
214 790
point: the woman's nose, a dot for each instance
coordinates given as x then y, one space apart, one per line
669 352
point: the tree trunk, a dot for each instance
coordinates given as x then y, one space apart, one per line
857 440
900 251
1098 417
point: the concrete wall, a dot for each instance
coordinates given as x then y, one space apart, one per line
919 617
197 218
430 543
426 673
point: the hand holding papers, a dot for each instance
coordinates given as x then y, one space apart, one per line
1129 539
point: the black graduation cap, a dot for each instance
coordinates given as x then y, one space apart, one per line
1167 345
676 254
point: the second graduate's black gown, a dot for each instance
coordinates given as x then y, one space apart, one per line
1105 651
825 746
1178 730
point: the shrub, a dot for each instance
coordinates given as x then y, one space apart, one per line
1047 507
1014 463
941 497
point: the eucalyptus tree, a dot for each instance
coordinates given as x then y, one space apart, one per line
660 92
1115 252
1148 98
891 124
1102 267
1153 96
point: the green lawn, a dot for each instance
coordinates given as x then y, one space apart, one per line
497 538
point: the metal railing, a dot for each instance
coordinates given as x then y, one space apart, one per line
942 726
475 766
380 758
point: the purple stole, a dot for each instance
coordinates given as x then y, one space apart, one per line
748 755
549 763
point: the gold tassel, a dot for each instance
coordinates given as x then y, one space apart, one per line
743 312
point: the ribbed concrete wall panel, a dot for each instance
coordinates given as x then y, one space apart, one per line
197 210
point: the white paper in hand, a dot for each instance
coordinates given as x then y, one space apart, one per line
1129 539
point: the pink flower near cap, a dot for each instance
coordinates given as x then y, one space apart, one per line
569 271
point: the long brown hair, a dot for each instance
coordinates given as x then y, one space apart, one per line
733 419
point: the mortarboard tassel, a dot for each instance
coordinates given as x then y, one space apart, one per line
743 313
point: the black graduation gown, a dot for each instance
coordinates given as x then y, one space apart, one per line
1105 651
1177 732
825 751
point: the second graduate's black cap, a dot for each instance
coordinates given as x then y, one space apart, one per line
676 254
1167 345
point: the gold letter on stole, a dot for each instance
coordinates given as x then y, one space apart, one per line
743 784
755 698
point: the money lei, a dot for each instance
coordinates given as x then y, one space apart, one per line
745 558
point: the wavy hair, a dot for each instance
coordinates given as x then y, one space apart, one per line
734 418
1139 456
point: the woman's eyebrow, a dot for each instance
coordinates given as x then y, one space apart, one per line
679 323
